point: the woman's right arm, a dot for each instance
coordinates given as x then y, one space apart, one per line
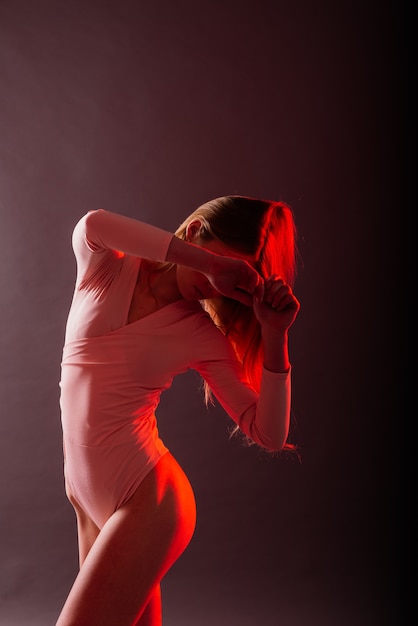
233 278
103 230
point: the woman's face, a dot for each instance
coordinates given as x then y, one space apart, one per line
192 284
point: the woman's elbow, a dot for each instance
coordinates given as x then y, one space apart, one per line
272 442
274 446
92 218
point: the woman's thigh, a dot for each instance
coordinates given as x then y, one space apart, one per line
87 531
133 551
152 615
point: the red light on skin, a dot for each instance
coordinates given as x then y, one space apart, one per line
118 254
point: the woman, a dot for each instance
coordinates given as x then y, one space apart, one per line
147 305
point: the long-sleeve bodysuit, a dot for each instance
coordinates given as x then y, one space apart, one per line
113 373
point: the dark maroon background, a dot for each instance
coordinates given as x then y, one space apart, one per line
150 108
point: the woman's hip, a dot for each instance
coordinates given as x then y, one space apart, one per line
166 491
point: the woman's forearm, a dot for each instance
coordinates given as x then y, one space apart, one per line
276 353
184 253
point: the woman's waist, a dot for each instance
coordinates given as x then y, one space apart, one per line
100 429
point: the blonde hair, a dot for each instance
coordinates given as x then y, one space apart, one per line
264 230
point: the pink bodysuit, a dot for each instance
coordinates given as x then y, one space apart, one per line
113 373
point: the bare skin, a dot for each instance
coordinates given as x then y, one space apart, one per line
123 564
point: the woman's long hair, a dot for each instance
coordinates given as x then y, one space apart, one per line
266 231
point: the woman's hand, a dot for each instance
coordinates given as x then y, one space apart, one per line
279 307
235 278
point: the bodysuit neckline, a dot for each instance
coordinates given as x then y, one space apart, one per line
154 316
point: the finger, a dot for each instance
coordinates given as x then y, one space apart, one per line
275 290
257 285
275 278
286 302
272 279
242 296
259 289
253 284
279 297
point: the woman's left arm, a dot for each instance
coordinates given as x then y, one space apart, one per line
276 313
263 417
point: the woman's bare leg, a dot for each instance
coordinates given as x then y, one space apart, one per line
133 551
152 616
87 531
87 534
